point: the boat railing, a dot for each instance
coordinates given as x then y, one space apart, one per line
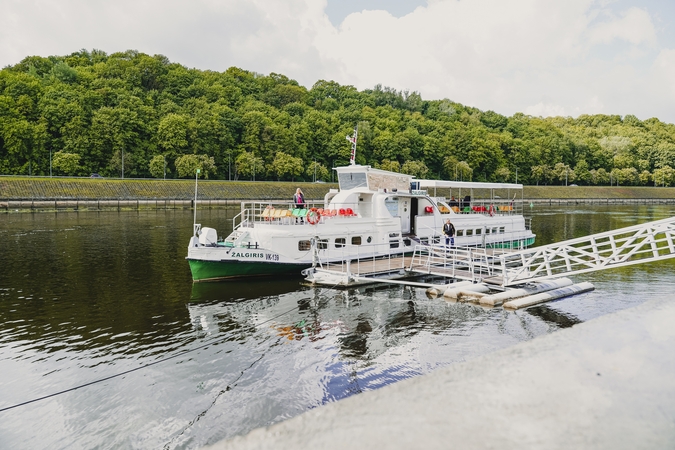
469 263
487 206
286 213
358 259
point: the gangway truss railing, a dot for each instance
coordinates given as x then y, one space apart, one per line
648 242
464 263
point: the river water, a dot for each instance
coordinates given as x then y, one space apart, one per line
106 298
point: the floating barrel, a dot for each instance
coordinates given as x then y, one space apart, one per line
550 295
455 292
543 286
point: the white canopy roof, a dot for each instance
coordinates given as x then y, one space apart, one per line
426 184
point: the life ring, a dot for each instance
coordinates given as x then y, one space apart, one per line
313 217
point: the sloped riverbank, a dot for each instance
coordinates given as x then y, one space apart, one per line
43 193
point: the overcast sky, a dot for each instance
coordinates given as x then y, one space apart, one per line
539 57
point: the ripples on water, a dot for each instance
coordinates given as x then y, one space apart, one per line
84 296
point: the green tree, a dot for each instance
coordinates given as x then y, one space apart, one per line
187 165
173 132
317 172
158 167
415 168
563 173
391 166
248 165
581 171
286 166
664 176
541 172
502 174
645 177
599 176
465 171
66 163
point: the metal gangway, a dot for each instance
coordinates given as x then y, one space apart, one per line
648 242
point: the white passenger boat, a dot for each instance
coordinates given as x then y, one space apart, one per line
373 213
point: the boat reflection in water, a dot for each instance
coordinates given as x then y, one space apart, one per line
238 290
376 334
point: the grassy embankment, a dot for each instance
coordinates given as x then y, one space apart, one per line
40 188
25 188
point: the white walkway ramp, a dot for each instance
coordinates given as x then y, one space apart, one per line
652 241
637 244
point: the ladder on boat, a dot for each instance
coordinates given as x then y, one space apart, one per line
652 241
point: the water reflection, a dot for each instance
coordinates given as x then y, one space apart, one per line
237 290
86 295
552 317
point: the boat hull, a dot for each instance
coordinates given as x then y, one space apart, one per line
204 270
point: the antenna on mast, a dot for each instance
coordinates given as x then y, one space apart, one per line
352 139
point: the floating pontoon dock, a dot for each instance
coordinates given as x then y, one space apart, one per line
500 270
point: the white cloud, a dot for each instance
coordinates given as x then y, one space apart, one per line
664 73
635 26
545 109
573 57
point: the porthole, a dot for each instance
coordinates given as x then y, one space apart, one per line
369 240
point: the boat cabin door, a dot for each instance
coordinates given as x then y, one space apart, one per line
400 207
413 214
406 214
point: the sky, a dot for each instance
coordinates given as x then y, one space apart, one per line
538 57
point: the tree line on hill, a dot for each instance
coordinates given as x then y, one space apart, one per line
129 114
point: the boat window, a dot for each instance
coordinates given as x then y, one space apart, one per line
469 232
369 240
351 180
443 208
459 232
303 246
356 240
424 241
322 244
494 230
501 229
392 206
487 231
436 240
479 231
393 244
340 242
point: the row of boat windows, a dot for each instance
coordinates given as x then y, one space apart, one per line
479 231
322 244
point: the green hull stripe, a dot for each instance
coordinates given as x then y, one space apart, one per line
215 270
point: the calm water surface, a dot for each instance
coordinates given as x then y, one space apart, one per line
85 296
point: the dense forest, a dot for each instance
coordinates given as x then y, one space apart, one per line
134 115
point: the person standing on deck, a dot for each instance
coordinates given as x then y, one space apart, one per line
449 232
299 200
